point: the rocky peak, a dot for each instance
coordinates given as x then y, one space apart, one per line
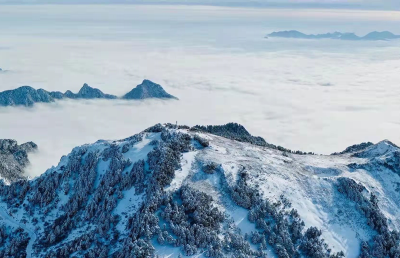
377 150
87 92
148 89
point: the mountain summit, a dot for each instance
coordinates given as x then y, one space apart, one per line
148 89
87 92
212 191
25 96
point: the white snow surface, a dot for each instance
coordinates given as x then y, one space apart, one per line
308 181
13 222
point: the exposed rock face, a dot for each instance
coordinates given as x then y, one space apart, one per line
25 96
14 158
148 89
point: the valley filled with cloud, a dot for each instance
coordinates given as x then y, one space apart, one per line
318 96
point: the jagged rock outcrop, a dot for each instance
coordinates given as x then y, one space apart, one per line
14 159
148 89
375 35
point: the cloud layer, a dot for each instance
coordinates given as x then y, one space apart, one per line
319 96
362 4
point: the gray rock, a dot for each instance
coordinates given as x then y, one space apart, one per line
148 89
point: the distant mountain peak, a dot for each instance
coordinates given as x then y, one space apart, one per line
85 87
24 95
87 92
148 89
381 148
28 96
354 148
375 35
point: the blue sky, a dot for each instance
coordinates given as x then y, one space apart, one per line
358 4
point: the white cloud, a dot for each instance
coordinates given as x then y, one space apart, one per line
380 4
219 66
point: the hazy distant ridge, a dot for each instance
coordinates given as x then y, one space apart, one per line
375 35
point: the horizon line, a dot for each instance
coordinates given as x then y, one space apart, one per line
226 5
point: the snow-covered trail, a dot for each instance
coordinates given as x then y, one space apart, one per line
11 220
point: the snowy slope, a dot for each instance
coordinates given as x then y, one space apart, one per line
142 196
308 181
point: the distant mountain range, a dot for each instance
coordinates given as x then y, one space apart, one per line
372 36
28 96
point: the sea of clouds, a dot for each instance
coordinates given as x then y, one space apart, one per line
319 96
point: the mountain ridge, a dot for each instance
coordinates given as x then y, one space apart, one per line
372 36
177 190
28 96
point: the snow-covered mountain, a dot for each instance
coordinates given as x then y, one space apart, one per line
14 159
28 96
213 191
